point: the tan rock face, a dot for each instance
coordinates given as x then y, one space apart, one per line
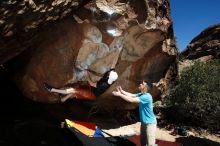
21 20
204 47
134 37
205 44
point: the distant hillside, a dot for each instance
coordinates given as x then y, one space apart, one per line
204 47
205 44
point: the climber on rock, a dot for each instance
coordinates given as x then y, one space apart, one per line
85 90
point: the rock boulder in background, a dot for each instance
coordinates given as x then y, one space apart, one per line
204 47
205 44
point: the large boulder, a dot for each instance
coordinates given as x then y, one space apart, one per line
22 20
205 44
134 37
204 47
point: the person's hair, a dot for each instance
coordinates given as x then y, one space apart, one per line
148 87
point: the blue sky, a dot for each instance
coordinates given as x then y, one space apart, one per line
190 17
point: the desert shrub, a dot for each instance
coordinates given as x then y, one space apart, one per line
196 95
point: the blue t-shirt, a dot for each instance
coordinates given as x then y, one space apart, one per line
146 108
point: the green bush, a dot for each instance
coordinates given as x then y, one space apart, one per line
196 95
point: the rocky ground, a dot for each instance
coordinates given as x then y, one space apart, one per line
193 138
169 132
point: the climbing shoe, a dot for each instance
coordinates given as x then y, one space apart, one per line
47 87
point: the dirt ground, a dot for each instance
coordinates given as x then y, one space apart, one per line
192 139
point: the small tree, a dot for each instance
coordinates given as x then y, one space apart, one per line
196 96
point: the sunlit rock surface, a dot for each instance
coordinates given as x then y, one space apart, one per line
21 21
134 37
204 47
206 43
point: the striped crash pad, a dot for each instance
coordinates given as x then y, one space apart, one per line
90 135
87 128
